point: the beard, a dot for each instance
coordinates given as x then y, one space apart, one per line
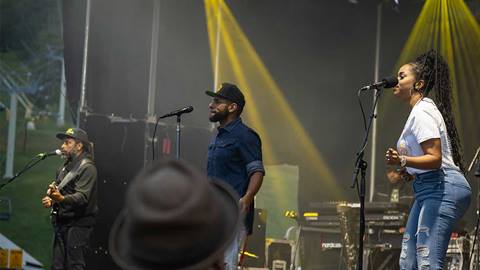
70 155
218 116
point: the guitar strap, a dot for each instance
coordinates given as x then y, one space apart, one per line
73 173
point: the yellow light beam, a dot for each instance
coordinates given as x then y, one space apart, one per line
243 60
449 27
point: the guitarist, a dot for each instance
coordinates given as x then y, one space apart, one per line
73 199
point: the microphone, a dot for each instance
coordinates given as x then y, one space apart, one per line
178 112
56 152
387 82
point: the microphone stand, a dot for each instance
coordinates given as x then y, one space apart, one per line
177 113
177 147
477 175
361 166
476 243
34 161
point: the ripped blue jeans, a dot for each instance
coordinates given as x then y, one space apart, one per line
441 198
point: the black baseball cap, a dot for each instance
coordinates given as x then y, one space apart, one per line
229 92
74 133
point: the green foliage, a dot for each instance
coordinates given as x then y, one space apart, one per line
29 226
31 49
23 21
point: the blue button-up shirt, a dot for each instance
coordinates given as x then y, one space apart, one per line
234 154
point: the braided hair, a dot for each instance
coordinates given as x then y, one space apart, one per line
433 70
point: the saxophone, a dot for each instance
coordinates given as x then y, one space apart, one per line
348 217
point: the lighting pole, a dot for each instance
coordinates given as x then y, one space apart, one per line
82 107
63 89
373 153
63 94
12 125
152 83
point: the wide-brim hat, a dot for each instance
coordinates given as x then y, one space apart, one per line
230 92
74 133
174 218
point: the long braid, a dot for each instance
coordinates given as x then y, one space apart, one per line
433 70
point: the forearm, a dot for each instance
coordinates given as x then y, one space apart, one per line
425 162
75 198
430 160
256 180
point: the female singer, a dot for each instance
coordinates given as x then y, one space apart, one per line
429 152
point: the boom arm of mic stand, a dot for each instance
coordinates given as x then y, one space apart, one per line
27 167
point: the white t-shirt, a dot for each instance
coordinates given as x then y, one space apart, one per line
425 122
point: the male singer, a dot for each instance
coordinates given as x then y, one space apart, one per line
73 199
235 156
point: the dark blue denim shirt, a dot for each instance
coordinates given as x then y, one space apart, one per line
234 154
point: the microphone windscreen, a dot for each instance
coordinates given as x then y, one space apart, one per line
390 81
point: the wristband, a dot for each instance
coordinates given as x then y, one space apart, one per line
403 161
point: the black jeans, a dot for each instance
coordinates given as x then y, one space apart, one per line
69 247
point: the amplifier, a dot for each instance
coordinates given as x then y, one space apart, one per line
377 214
279 254
316 219
320 249
370 207
380 259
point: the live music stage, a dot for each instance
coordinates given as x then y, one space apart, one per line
300 65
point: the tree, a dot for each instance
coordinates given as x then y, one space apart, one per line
30 49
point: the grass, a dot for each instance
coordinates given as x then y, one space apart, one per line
29 226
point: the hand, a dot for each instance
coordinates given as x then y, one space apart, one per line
396 175
392 157
51 187
47 202
245 203
54 193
